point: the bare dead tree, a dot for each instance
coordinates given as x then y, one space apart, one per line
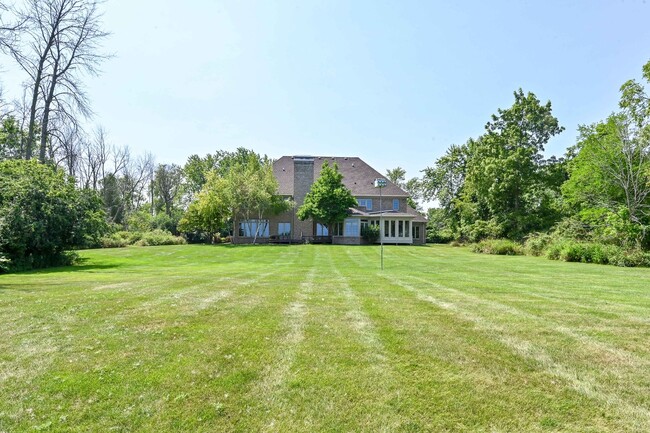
59 44
10 26
66 146
75 52
139 172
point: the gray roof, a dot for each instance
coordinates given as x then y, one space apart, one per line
419 218
412 213
358 176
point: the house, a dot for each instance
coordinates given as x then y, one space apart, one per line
398 222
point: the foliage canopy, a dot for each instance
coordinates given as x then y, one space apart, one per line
328 200
43 214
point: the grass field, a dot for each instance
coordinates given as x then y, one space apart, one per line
317 338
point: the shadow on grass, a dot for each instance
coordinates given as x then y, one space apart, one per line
81 265
72 268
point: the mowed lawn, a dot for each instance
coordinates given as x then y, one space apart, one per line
318 338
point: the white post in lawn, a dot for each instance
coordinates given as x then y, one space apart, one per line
380 183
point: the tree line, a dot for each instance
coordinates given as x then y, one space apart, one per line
63 187
500 185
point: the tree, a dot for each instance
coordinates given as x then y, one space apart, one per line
328 200
43 214
500 184
504 170
413 186
209 213
112 199
196 172
197 169
244 192
167 185
251 192
11 139
8 30
397 175
444 182
609 185
57 45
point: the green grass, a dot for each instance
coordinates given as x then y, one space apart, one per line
317 338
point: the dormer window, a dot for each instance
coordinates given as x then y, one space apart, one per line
365 202
395 204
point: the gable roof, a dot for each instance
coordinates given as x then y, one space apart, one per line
358 176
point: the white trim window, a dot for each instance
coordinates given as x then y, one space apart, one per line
365 202
321 230
351 227
284 229
249 228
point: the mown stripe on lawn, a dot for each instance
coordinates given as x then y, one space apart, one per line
274 378
581 382
617 355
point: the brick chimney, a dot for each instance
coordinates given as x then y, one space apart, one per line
303 178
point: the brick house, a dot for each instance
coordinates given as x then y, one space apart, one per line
295 175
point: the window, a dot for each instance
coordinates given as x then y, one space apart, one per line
284 229
321 230
351 227
395 204
392 229
337 229
365 202
386 232
400 229
416 232
407 226
252 227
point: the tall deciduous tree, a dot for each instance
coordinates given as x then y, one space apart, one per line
609 184
328 200
500 184
504 170
444 182
412 186
246 192
252 192
167 185
58 44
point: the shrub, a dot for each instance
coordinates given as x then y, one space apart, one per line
575 252
570 250
502 247
536 243
159 237
370 233
150 238
5 263
443 236
481 229
553 250
630 258
43 215
113 242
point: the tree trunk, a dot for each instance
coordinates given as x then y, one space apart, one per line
32 111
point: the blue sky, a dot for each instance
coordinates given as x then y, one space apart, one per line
394 82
